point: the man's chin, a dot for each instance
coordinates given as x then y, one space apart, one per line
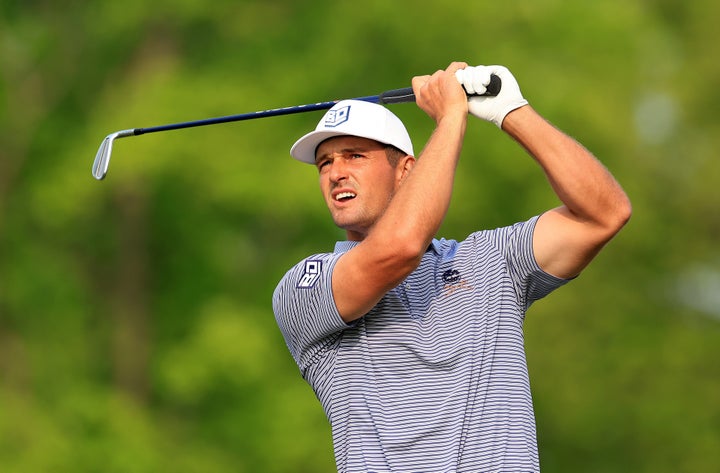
354 230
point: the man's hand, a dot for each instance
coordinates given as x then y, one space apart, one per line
439 95
493 109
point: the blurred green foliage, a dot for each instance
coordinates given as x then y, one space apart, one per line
136 333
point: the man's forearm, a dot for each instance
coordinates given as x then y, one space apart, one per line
397 242
419 207
580 181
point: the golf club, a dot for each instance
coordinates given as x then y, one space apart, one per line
102 158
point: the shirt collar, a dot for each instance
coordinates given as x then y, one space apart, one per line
346 245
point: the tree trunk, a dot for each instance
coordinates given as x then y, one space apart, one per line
130 310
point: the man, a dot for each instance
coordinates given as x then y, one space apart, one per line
414 345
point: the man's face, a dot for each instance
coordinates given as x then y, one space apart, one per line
357 182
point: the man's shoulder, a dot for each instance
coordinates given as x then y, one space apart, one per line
306 272
511 231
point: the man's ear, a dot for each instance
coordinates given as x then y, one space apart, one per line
404 167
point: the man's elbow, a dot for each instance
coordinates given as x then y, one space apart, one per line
397 258
624 211
619 216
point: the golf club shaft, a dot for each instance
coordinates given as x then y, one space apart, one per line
102 158
389 97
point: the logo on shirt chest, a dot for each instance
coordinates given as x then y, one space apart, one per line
453 282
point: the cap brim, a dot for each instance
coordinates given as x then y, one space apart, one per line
304 148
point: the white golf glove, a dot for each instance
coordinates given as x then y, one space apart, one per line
493 109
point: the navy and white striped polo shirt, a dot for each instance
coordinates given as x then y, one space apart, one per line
433 378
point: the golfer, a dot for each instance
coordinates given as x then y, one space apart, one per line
412 343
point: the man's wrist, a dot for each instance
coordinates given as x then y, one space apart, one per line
455 119
515 117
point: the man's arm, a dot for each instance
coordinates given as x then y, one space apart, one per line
394 246
594 206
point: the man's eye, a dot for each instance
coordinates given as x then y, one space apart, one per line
322 164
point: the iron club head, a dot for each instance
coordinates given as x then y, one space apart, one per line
102 158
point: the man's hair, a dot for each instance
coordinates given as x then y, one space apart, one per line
394 154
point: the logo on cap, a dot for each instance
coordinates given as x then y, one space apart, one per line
337 117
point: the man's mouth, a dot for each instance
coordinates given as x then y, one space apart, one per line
344 196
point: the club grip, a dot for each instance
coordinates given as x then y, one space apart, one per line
494 86
397 96
406 94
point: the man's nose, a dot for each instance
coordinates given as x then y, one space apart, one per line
338 170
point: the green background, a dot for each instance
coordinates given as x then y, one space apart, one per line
136 330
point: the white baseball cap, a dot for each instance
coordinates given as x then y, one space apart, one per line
354 118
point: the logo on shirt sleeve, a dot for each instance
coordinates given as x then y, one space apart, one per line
311 274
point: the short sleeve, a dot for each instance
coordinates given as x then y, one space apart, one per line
515 243
305 310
